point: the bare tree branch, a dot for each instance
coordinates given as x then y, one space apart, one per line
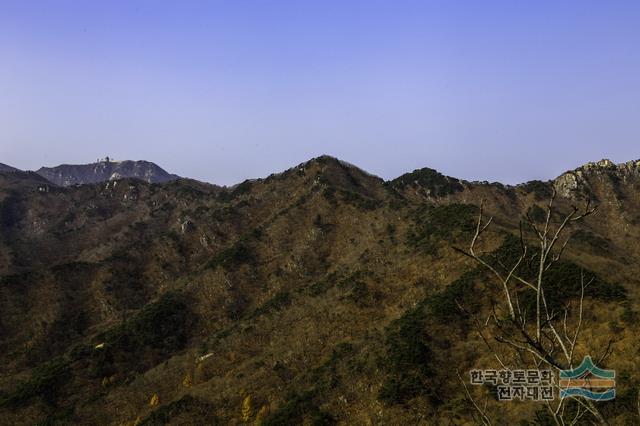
541 342
483 415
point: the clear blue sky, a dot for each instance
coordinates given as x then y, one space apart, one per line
226 90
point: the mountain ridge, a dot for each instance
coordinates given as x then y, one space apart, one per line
105 170
7 168
311 287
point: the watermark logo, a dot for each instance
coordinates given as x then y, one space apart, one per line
533 385
588 381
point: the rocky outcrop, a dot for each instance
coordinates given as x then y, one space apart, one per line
577 183
567 184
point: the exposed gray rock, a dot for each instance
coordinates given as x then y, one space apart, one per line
575 184
69 174
566 185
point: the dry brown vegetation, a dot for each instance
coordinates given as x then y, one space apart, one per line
321 295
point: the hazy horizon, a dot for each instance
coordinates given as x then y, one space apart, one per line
222 92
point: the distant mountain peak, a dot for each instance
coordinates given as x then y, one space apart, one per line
428 182
105 170
331 161
6 168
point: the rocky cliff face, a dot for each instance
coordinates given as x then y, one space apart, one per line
578 183
67 174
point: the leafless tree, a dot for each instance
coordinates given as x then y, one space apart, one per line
550 341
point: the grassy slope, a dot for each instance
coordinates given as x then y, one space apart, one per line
322 293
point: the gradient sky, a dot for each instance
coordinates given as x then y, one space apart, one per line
227 90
